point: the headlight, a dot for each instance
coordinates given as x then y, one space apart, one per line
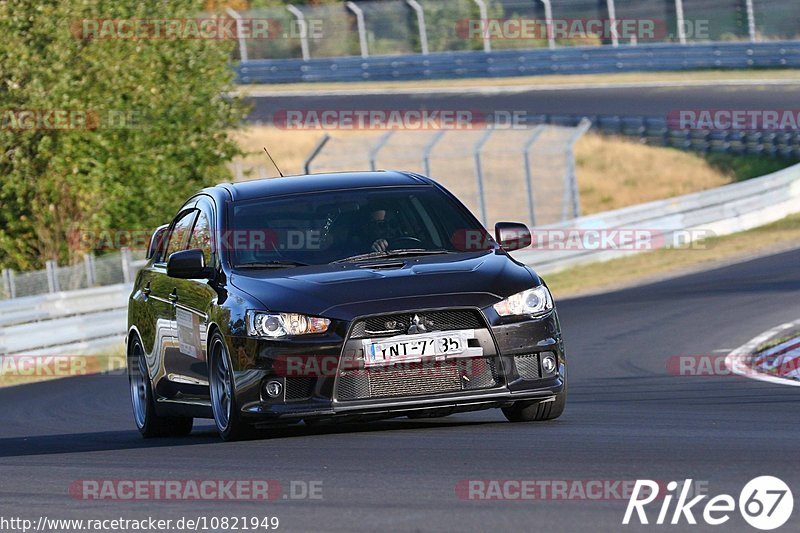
536 301
276 325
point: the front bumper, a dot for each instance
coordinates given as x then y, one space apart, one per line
313 390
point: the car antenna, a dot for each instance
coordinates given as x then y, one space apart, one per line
273 162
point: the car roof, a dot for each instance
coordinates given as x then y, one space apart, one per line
247 190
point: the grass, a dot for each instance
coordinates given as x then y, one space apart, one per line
575 79
616 172
657 264
776 341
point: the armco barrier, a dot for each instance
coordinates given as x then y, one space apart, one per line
721 211
65 322
62 304
499 64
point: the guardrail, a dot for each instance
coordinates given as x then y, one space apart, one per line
721 211
509 63
65 322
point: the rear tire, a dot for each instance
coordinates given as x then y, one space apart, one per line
149 423
536 410
227 417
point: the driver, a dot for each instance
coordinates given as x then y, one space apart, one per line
379 229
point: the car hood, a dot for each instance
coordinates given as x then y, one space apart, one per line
344 291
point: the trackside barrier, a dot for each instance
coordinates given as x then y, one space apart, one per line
721 211
109 269
509 63
65 322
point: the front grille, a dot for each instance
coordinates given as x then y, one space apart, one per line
299 388
528 366
398 324
417 379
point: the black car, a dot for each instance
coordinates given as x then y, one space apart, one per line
337 296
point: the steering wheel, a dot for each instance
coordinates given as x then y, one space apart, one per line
405 242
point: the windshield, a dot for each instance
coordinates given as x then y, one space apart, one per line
319 228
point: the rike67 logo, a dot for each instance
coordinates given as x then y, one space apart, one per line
765 503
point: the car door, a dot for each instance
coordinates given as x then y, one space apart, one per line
164 289
151 310
194 299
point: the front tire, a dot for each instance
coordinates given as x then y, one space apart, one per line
536 410
147 421
223 393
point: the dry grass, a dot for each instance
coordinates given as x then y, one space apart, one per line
577 79
617 172
655 265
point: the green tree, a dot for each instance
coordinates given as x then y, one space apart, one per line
157 123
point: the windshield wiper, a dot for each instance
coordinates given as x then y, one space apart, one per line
406 252
283 263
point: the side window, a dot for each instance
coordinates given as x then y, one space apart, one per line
201 237
179 237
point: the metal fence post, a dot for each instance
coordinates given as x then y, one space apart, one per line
426 154
571 181
8 281
751 21
612 20
315 152
423 30
125 257
680 21
52 278
303 27
548 15
538 130
373 152
91 275
487 44
240 33
362 28
479 172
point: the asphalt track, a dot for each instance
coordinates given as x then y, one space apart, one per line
627 418
639 101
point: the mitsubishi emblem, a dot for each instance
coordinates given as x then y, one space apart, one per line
417 326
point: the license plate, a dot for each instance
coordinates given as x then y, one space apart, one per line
411 348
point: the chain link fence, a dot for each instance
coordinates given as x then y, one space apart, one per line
397 27
109 269
525 174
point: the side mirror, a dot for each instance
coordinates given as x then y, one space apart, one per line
187 264
512 235
156 240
